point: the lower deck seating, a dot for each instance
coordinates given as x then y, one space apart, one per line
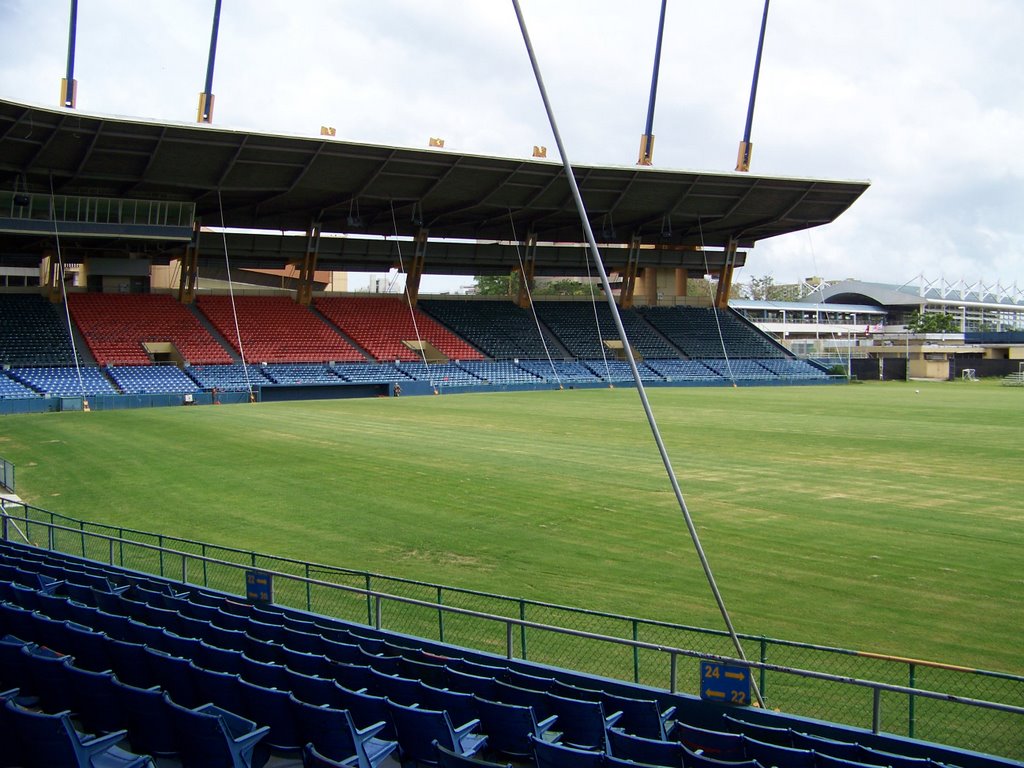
370 373
13 389
619 370
499 372
151 379
301 373
440 374
565 371
64 381
173 648
228 378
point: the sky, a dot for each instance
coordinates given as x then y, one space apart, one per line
923 98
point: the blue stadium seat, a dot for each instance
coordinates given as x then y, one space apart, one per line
510 726
334 734
643 750
773 755
446 758
720 745
210 737
417 729
51 740
272 707
551 755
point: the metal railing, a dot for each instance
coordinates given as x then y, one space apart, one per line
79 209
7 475
953 705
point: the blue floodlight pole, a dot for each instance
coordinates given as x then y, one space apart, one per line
641 391
68 86
205 114
647 140
743 159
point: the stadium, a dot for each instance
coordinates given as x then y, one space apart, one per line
426 529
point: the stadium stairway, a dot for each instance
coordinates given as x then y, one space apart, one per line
212 330
159 663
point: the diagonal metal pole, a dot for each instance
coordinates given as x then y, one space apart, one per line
599 265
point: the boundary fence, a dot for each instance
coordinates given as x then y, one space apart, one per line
948 704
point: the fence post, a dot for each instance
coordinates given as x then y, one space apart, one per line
184 569
369 603
81 530
509 651
673 667
522 628
636 652
876 710
379 610
202 550
910 701
160 543
120 547
764 659
309 591
440 615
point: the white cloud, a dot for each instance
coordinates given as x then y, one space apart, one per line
924 100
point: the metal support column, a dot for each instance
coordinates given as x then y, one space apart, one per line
205 113
308 270
743 158
53 278
189 277
68 85
647 140
725 276
415 268
527 270
629 273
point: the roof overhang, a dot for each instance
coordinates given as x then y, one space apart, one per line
285 183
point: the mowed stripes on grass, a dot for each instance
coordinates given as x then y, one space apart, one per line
873 517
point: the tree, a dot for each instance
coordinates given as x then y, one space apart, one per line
497 285
765 289
933 322
567 287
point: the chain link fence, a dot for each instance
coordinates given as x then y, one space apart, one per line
643 656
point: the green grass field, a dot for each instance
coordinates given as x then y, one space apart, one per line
871 517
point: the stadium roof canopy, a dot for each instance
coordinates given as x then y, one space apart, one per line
914 295
286 183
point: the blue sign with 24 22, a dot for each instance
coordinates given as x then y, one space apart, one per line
724 683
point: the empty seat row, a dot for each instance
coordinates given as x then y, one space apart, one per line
281 668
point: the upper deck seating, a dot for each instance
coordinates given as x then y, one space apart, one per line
275 329
145 379
33 331
115 327
63 381
575 326
499 329
702 332
380 325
